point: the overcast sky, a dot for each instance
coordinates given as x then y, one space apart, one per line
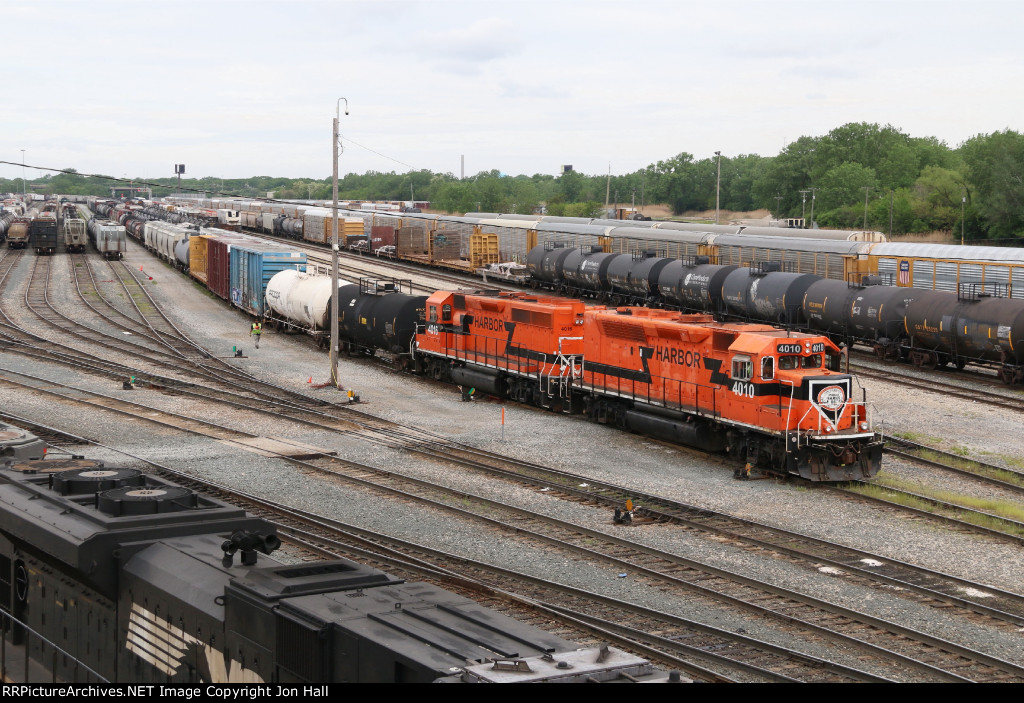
237 89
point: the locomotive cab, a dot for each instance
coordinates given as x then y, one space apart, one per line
828 434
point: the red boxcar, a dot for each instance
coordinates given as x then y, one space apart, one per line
218 266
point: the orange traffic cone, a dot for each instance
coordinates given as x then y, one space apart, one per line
310 380
140 268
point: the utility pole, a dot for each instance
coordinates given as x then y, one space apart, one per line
867 189
608 187
778 205
963 203
643 186
892 195
803 211
24 187
813 190
334 248
718 183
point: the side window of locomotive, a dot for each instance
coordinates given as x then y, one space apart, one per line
433 313
834 362
446 313
768 368
742 368
811 362
789 362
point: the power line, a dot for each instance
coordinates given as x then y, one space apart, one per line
383 156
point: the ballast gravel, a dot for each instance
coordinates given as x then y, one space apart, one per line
591 451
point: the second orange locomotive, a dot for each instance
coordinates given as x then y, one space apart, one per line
774 399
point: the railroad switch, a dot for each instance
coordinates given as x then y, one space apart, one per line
624 517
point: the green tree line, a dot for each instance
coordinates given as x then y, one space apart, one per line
857 175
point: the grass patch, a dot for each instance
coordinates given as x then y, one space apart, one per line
991 522
918 437
965 463
1013 461
1002 508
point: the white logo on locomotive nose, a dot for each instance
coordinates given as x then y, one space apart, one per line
831 397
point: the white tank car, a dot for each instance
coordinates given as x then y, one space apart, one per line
301 298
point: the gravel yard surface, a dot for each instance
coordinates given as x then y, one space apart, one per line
589 450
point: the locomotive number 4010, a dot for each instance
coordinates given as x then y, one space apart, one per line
743 389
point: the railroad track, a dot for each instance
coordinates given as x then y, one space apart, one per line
405 438
160 326
370 427
972 520
886 641
1001 476
945 388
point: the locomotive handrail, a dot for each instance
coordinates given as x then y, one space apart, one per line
789 413
855 415
7 624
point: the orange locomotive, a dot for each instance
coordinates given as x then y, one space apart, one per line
772 398
510 344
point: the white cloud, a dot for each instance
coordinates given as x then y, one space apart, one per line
245 88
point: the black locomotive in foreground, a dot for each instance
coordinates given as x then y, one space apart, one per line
110 575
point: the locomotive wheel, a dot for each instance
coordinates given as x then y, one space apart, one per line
929 363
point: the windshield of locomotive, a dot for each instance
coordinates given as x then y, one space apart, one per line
788 362
811 362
